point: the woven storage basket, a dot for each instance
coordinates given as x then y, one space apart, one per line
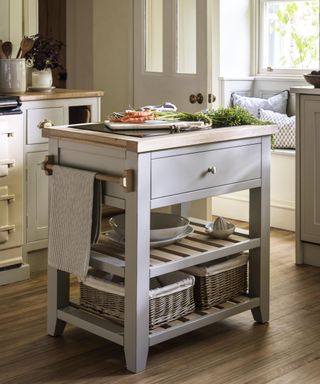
217 282
168 301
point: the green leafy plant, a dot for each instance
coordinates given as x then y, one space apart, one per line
232 116
222 117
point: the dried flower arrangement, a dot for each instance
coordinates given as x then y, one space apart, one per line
45 53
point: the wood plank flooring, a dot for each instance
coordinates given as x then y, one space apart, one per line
234 351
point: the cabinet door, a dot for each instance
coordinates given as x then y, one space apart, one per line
310 168
37 198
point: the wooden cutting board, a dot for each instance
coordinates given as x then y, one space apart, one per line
151 125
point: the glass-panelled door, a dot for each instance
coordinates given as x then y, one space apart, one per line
170 53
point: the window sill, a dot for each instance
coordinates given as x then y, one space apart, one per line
265 77
280 77
283 152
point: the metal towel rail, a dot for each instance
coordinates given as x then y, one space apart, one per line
126 180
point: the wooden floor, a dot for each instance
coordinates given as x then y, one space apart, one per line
235 351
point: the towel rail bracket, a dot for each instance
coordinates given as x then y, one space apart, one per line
126 180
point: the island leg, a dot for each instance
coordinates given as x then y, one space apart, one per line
58 297
137 255
183 209
58 281
259 226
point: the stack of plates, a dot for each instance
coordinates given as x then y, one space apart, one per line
164 229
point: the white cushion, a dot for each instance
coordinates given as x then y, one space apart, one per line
275 103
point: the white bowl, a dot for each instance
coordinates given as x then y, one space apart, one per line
220 233
162 225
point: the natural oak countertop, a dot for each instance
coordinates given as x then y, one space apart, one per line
306 90
155 143
57 93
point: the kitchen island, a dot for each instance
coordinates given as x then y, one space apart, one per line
143 173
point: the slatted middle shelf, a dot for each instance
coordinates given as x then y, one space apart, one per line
194 249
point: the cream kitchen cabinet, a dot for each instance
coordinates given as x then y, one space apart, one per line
58 107
11 195
37 198
308 176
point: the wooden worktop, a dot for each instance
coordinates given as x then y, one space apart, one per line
155 143
58 93
306 90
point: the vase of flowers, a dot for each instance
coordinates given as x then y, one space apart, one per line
41 59
41 78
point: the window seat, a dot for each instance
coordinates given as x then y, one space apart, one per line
282 194
282 177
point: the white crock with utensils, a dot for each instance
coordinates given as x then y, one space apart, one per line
12 75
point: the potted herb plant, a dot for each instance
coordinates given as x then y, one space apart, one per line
42 58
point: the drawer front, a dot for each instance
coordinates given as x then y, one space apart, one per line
35 116
189 172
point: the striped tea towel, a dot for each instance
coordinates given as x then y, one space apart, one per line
70 221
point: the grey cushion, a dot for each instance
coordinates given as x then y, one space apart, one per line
275 103
285 138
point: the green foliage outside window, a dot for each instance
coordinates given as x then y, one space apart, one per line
304 48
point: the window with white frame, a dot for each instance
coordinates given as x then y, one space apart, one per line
289 36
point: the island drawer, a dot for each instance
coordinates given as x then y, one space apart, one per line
189 172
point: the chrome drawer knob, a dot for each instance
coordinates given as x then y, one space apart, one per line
212 170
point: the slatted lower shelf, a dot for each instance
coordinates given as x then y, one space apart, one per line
94 324
200 318
196 248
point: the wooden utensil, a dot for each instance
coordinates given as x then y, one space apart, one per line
25 46
2 55
7 49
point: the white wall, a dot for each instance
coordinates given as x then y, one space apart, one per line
111 49
11 22
235 38
4 20
98 50
79 44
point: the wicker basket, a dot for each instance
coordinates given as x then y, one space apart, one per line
171 297
219 281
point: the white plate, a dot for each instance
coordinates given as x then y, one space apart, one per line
39 89
163 226
118 239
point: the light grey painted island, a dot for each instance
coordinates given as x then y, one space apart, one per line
168 170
